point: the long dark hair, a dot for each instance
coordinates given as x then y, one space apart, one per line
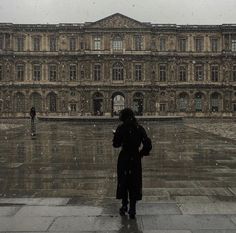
127 116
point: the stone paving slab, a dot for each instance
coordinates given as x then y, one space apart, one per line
25 223
59 211
213 231
187 222
68 224
8 211
193 199
35 201
208 208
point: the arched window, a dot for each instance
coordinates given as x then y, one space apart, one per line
98 104
36 101
117 72
215 102
198 102
183 102
138 104
52 102
19 102
118 103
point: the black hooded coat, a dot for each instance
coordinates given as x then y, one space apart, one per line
130 135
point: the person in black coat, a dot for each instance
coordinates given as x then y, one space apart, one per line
32 114
129 136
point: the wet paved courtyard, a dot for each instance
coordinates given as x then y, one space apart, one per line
64 179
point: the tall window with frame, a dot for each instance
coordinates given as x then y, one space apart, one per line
97 72
162 72
117 43
36 72
73 73
234 73
182 44
72 43
1 72
20 72
53 43
183 73
162 44
117 72
138 72
20 44
214 73
199 74
1 42
138 42
198 44
214 44
36 43
82 72
233 44
52 73
97 43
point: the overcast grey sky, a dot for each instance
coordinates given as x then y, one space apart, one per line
154 11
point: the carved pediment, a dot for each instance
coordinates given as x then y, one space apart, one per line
117 21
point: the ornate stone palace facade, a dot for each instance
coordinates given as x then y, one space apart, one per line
98 68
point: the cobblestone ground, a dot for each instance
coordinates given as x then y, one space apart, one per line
61 177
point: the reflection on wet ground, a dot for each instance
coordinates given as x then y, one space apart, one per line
71 159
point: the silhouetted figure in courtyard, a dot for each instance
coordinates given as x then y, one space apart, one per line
129 136
32 114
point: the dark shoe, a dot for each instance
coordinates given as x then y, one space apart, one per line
132 214
123 210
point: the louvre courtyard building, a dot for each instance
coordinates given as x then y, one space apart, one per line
101 67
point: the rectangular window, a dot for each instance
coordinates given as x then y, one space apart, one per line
97 72
182 45
82 73
214 73
182 74
72 44
234 73
20 44
36 43
214 44
162 44
1 42
199 44
52 73
1 73
234 107
138 72
117 44
162 107
73 107
52 43
162 72
36 73
20 70
97 43
233 45
138 42
199 73
82 45
72 72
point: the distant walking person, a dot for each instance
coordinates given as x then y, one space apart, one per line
32 114
129 136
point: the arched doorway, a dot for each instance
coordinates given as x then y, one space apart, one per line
36 101
19 102
138 104
215 102
98 104
118 103
183 102
52 102
199 102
